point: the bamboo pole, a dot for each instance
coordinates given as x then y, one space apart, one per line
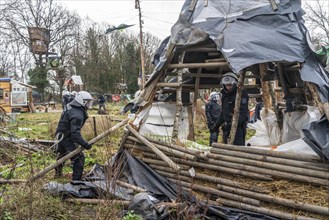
129 186
215 192
223 169
275 160
98 201
154 149
76 151
261 210
212 179
236 113
289 169
284 175
160 163
280 201
169 150
197 153
287 155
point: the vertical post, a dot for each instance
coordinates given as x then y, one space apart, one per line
265 88
179 103
278 114
235 118
137 6
323 107
95 129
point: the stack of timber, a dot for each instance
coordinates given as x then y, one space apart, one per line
279 184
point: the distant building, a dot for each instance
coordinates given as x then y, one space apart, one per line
74 83
15 96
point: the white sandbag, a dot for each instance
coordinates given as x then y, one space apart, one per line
293 122
296 146
260 138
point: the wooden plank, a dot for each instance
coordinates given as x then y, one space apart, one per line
236 113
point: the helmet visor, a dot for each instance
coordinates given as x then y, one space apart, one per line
88 103
228 80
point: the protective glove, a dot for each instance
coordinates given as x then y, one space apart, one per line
87 146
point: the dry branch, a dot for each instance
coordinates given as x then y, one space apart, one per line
98 201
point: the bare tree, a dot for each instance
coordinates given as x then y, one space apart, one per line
19 15
317 20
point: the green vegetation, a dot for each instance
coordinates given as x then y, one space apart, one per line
30 202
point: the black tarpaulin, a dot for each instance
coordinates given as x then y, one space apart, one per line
317 137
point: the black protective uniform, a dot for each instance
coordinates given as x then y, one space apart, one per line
212 112
65 101
70 124
225 119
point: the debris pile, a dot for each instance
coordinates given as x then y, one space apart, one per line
263 169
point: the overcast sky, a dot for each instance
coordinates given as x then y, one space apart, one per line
158 15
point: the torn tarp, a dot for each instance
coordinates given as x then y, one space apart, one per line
317 137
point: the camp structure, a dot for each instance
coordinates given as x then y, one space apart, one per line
15 96
265 41
262 40
74 83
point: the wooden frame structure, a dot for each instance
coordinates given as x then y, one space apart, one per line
202 66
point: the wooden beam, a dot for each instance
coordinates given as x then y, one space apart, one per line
265 88
197 65
179 103
236 113
154 149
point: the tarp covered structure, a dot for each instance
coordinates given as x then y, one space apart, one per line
266 39
249 32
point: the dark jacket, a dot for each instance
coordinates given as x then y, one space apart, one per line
71 122
212 113
101 99
228 103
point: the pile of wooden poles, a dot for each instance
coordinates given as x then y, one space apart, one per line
177 164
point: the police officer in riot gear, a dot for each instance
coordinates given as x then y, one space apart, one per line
69 132
213 110
229 83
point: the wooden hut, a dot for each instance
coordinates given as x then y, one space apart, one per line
201 50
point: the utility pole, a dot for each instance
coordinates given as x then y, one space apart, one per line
137 6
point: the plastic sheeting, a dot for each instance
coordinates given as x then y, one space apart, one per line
293 122
159 189
316 135
160 121
296 146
